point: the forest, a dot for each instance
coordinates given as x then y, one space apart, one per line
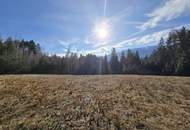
172 57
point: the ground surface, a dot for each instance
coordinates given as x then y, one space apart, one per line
31 102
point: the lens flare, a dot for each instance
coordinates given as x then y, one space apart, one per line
102 30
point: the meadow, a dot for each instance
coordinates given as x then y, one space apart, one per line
112 102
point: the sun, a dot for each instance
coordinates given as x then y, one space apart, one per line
102 30
102 33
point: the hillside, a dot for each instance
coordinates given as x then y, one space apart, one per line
45 102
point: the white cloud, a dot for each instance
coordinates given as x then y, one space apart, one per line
98 51
147 40
67 43
150 39
91 40
171 9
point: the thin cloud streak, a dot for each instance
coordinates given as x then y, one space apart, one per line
146 40
150 39
105 8
172 9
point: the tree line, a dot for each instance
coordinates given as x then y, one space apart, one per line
172 57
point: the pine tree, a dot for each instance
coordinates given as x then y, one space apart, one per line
123 63
105 65
114 63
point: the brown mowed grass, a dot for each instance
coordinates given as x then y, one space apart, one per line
47 102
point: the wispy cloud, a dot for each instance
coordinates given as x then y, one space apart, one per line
113 20
170 10
98 51
101 49
68 43
147 40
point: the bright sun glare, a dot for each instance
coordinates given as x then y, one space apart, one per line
102 30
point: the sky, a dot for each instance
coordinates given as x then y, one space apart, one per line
92 26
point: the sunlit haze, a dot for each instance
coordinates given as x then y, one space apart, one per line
102 30
92 26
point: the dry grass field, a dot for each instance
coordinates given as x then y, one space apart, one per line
46 102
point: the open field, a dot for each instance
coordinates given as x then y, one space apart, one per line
44 102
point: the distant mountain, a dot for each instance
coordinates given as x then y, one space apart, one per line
145 51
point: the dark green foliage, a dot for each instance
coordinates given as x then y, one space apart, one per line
133 62
18 56
172 57
114 63
105 65
123 63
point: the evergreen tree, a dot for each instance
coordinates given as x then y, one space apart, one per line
172 57
123 63
114 62
105 65
133 62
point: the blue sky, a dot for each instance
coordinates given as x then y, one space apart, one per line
59 24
